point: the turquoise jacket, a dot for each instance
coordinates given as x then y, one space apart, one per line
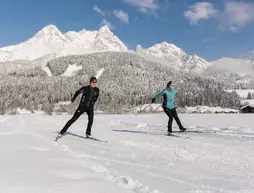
169 98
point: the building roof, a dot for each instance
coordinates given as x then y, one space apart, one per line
252 106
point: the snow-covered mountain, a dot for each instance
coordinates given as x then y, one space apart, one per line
175 57
51 41
47 41
237 70
235 65
85 42
4 55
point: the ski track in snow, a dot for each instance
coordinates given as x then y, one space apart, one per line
138 157
122 181
9 132
4 119
229 131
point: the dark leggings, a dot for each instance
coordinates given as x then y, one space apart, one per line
76 115
172 114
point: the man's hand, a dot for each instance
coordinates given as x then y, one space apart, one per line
153 100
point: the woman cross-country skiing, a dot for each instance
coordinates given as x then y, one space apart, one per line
169 107
89 96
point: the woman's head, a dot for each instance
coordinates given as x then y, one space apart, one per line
170 85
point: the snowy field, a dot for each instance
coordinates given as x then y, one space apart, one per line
138 157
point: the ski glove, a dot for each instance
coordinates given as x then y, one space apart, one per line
153 100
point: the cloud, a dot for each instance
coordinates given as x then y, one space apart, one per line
234 16
199 11
98 10
144 6
107 23
251 51
237 15
209 39
121 15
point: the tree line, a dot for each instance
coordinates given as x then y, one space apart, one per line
127 81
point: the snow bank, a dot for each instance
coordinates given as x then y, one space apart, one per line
27 112
23 111
198 109
63 103
206 109
149 108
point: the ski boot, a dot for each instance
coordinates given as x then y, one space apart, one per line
170 132
89 136
183 129
58 136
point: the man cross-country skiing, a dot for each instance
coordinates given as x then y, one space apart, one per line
169 107
89 96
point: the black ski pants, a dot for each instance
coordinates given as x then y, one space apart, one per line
80 111
172 114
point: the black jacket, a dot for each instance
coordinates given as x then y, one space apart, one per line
89 96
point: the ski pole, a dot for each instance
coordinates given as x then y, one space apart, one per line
144 109
156 109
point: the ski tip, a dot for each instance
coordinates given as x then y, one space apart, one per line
57 138
177 136
173 135
95 139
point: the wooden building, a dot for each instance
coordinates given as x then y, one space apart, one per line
247 109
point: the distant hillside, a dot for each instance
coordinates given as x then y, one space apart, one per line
126 80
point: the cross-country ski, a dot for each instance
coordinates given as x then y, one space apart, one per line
95 139
179 136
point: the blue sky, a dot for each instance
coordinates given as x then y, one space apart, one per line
210 29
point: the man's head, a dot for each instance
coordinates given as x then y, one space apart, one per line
170 85
93 82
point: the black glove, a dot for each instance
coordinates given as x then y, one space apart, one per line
72 100
153 100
